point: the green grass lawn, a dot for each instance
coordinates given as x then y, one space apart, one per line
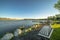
56 34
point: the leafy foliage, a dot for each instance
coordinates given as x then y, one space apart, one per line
57 5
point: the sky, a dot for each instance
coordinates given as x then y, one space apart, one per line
27 8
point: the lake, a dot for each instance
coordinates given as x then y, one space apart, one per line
10 25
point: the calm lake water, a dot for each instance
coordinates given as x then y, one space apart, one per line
8 26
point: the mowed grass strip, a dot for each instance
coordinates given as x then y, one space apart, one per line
56 26
56 33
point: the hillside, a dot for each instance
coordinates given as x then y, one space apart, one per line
10 19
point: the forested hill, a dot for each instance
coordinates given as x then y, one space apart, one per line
9 19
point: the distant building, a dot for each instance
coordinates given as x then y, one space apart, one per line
58 15
8 36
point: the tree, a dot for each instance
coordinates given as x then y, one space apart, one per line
57 5
52 18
